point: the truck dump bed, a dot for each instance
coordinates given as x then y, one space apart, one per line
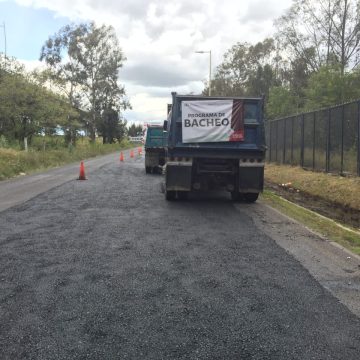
215 142
155 137
253 129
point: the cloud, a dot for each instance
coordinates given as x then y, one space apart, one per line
156 75
260 11
160 38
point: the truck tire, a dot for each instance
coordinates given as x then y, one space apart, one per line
251 197
148 169
170 195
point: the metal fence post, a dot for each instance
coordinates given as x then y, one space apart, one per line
302 140
314 128
276 141
342 139
327 165
284 144
292 141
358 139
270 123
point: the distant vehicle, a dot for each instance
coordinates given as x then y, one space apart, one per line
155 142
215 142
135 139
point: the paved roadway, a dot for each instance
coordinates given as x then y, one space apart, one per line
22 188
107 269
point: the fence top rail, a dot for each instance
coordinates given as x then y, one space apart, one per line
315 111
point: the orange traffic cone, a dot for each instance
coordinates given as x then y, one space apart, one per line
82 172
139 150
121 156
132 153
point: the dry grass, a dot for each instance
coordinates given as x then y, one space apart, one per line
14 162
337 189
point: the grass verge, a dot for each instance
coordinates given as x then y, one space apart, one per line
334 189
348 238
15 162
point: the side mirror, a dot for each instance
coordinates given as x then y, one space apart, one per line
165 125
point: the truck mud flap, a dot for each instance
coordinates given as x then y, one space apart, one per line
152 159
251 179
178 177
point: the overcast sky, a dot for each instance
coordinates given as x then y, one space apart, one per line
159 39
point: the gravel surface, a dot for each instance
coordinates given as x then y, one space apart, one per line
107 269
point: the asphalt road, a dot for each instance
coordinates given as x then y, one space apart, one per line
107 269
22 188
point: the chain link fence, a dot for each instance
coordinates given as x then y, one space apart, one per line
323 140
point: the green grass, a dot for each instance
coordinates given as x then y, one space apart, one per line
348 238
14 162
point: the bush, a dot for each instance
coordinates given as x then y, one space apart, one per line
3 142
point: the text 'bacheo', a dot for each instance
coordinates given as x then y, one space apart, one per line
206 122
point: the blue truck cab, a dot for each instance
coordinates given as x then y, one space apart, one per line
215 142
155 142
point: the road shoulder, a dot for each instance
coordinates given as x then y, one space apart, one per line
334 267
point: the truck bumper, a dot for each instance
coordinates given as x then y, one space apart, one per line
178 176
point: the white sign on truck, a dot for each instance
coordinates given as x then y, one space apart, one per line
212 121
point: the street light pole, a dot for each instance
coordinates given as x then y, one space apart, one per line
207 52
210 73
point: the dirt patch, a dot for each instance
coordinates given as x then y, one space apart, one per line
333 210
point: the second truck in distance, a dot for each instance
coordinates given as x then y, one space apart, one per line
155 141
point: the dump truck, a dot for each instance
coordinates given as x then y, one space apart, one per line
215 143
155 141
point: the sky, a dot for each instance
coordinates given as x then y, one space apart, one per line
159 39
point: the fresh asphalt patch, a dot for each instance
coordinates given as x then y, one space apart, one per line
107 269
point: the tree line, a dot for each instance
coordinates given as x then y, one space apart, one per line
312 61
78 92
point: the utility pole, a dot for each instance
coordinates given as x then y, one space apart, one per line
3 26
207 52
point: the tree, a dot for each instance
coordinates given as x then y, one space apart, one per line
330 87
281 102
246 70
135 130
26 108
323 32
63 84
85 60
111 127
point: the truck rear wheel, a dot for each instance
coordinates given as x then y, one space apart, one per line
251 197
170 195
